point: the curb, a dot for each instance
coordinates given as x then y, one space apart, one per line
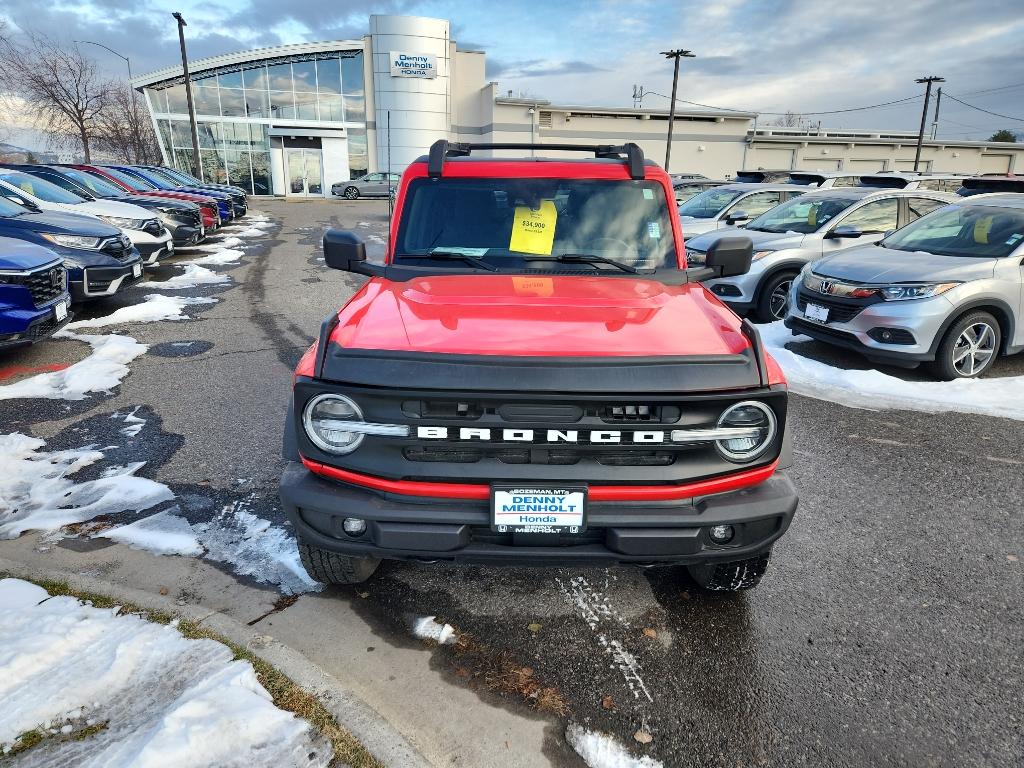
351 712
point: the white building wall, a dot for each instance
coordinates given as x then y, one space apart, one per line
420 108
335 156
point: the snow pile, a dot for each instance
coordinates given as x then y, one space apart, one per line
599 750
164 699
227 242
100 372
155 307
220 257
876 390
429 628
254 547
250 232
192 276
37 494
163 534
135 423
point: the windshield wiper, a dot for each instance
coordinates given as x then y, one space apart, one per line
476 261
590 258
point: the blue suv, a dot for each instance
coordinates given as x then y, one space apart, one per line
230 205
99 259
34 295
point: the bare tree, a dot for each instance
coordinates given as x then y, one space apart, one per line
123 127
791 120
63 88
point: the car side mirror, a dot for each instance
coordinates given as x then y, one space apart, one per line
730 256
346 251
737 216
844 230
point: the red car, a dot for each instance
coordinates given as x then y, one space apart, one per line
207 205
533 375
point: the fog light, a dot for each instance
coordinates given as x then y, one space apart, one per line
353 526
720 534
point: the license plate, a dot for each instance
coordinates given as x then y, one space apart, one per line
538 510
137 270
817 313
60 310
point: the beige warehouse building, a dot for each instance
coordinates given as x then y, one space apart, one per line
294 120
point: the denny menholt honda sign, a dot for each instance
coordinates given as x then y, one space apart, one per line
413 65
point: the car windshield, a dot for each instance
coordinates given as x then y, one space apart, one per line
516 224
95 184
709 203
132 181
181 176
9 209
801 214
163 175
152 178
40 189
978 231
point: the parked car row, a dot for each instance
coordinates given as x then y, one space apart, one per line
74 233
904 275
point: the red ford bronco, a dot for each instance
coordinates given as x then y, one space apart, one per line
533 375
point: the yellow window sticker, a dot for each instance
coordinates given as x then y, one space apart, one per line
981 229
812 216
533 231
25 187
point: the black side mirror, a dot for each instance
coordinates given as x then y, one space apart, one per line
343 250
844 230
736 216
730 256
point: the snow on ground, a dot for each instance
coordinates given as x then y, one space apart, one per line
155 307
225 256
135 423
254 547
600 750
99 372
192 276
163 533
876 390
227 242
429 628
250 232
164 699
36 492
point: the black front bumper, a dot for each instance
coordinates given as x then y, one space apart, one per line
846 340
184 235
98 282
429 529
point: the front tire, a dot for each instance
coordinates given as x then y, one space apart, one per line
350 193
969 347
773 298
332 568
731 576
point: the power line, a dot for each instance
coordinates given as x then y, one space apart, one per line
993 90
802 112
986 111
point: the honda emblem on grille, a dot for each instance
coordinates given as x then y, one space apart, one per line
827 286
56 278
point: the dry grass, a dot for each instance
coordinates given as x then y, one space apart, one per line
285 693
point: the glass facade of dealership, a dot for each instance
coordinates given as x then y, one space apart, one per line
236 105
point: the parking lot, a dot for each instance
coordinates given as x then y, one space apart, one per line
887 631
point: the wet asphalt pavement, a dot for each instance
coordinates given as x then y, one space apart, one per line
888 630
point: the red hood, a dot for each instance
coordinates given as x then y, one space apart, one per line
544 316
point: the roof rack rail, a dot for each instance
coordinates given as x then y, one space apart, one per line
442 149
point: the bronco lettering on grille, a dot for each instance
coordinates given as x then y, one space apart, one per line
542 436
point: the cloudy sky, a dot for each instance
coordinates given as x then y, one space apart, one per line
806 56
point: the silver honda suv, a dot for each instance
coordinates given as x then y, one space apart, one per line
947 290
804 229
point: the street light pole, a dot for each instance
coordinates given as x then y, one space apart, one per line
924 112
136 138
677 54
197 163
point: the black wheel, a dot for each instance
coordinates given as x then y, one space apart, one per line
773 298
332 568
350 193
969 347
730 576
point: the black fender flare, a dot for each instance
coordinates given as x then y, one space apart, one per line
786 266
290 440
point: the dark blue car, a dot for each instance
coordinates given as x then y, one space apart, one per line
99 259
173 175
230 206
34 296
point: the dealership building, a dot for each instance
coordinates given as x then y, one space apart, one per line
293 120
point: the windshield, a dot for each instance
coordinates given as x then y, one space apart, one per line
530 223
181 176
152 178
95 184
8 209
162 175
38 188
709 203
979 231
801 214
132 181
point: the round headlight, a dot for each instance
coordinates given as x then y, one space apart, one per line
324 419
759 425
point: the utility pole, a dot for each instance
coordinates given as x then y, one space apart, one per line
924 112
677 54
197 163
935 120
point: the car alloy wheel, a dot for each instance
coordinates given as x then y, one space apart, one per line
974 349
351 193
778 302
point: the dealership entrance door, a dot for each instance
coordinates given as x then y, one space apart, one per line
305 172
